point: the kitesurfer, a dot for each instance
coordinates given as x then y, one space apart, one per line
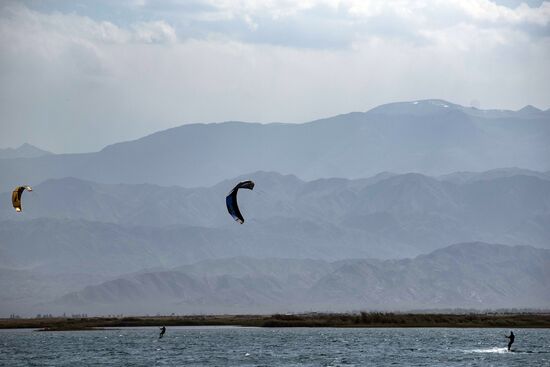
511 337
162 331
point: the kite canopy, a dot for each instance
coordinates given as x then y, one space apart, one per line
16 196
231 200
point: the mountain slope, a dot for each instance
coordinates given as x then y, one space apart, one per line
473 275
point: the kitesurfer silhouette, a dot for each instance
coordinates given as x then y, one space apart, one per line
162 331
511 337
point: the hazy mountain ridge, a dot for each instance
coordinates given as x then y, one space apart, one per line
25 291
430 106
124 228
24 151
421 136
63 246
475 275
465 177
275 196
57 246
123 209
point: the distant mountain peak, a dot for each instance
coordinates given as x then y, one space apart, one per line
417 107
529 109
25 150
435 102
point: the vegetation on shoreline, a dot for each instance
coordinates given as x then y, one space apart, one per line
363 319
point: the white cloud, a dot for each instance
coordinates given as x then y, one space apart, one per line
73 26
342 23
484 10
72 82
154 32
473 10
66 25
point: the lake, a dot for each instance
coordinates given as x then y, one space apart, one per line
238 346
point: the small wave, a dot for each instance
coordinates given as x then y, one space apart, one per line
487 350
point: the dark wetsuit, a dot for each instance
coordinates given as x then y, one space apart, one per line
511 337
162 331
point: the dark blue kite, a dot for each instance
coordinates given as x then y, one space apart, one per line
231 200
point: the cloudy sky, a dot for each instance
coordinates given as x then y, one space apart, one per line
78 75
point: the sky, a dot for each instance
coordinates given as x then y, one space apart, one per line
76 76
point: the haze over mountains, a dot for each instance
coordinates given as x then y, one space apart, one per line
474 275
74 234
116 230
429 137
386 216
470 275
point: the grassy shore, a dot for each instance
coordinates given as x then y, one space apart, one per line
364 319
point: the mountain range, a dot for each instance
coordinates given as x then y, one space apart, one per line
471 275
142 227
70 225
431 137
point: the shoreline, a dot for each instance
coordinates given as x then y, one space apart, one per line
311 320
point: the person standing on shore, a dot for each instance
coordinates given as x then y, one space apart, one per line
511 337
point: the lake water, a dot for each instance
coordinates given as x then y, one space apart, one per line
230 346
